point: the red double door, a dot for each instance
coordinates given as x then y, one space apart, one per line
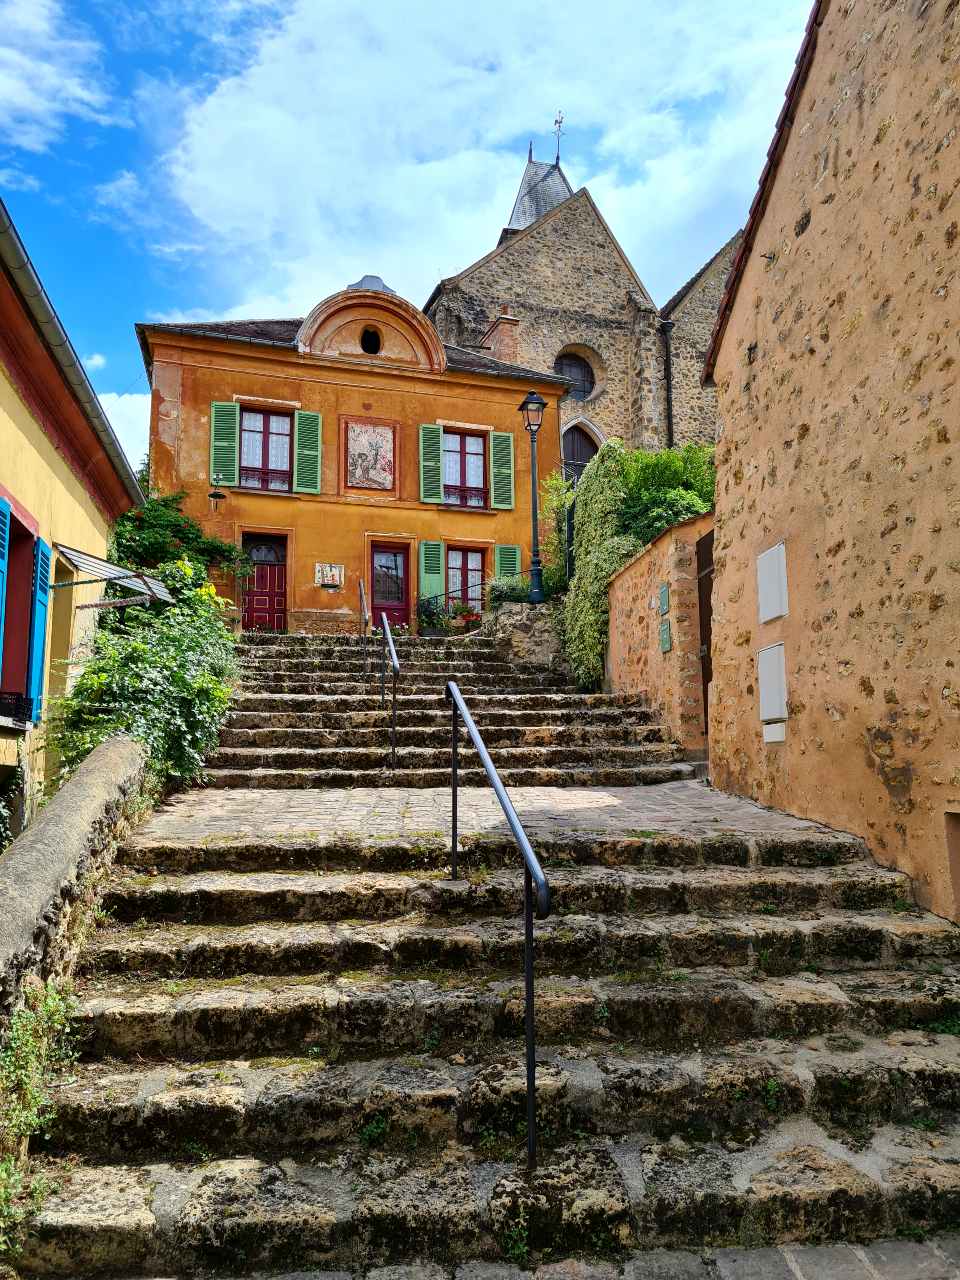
265 591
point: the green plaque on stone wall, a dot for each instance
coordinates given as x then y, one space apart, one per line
664 598
666 640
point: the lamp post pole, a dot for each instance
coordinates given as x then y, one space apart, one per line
532 409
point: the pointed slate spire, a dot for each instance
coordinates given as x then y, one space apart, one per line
542 188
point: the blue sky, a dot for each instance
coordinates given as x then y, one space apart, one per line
188 159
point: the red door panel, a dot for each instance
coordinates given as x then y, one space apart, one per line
265 599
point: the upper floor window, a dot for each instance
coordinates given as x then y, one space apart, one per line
464 470
579 374
266 457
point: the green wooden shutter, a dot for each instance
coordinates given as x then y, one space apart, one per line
307 451
501 470
224 442
431 465
506 561
430 580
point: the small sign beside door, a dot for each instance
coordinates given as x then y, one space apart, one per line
329 576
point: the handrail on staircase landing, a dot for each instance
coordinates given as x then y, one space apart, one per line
386 641
363 623
534 883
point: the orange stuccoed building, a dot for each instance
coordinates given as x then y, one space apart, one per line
351 446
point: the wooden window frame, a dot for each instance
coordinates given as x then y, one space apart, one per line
464 548
264 469
462 486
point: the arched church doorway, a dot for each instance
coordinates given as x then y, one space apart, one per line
578 448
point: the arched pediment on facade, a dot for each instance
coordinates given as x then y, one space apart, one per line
591 428
335 329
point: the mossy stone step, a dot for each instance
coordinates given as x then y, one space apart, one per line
576 944
356 1015
225 898
500 701
575 735
345 717
431 851
342 756
601 1194
383 776
849 1085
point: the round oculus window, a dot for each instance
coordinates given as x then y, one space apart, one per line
370 342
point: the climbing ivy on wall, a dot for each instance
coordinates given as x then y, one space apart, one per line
625 499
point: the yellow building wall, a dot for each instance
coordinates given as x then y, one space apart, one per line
335 527
42 481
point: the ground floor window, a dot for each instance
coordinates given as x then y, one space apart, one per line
465 577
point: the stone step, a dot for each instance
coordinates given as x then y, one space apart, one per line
427 758
230 898
578 734
587 717
356 1015
478 703
584 945
452 668
383 776
472 685
305 1105
338 644
431 851
449 1204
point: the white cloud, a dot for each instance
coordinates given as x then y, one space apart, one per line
49 71
358 140
94 362
17 180
129 415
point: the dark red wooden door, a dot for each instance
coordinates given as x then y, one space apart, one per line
390 575
265 592
705 600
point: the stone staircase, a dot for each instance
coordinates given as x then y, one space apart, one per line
308 716
303 1044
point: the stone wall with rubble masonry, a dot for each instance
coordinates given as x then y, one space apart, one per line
671 682
838 391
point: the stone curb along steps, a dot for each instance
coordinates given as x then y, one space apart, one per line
305 1053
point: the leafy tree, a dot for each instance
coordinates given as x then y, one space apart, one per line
159 532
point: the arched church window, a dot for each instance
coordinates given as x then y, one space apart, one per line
579 374
578 449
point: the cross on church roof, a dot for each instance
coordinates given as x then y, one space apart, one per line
558 130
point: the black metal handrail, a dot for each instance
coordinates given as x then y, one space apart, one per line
386 640
534 882
364 623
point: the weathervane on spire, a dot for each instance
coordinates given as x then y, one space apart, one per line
558 130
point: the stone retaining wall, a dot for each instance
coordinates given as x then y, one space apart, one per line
670 680
526 633
52 868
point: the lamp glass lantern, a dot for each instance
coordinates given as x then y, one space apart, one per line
532 409
216 496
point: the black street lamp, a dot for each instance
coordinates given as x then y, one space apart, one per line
532 409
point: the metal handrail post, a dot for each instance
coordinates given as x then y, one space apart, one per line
529 1023
454 778
364 624
395 664
534 881
383 671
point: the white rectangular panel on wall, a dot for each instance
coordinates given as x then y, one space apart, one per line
772 679
772 583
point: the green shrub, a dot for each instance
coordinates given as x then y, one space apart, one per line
160 674
158 533
624 500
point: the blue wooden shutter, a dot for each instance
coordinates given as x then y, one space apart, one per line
430 578
431 463
501 470
506 561
38 627
224 442
4 560
307 451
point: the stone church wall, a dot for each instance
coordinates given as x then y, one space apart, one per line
695 406
837 381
